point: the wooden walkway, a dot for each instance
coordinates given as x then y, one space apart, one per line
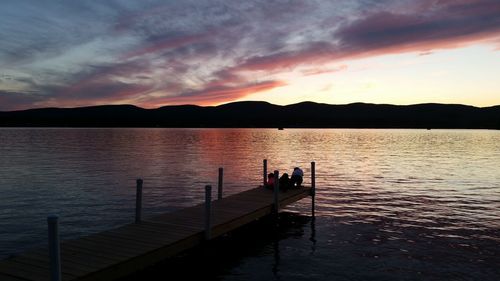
121 251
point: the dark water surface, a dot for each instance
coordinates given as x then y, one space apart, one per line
391 204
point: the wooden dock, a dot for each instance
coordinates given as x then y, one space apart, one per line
118 252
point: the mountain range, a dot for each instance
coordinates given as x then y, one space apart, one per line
262 115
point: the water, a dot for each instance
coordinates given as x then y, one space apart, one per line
391 204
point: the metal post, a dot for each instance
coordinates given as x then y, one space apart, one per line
265 173
54 248
221 178
313 187
138 201
276 190
208 211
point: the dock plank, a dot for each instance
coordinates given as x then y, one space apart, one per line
4 277
29 272
67 268
66 257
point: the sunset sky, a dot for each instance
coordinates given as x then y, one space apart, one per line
155 53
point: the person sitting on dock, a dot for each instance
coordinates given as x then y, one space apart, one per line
284 182
270 181
297 176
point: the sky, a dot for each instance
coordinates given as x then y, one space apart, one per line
154 53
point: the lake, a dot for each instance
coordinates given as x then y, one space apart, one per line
391 204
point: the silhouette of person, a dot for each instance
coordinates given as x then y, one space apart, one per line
284 182
297 177
270 181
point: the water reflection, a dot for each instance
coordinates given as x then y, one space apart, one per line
312 237
276 263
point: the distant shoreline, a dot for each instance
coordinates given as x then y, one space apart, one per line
262 115
229 128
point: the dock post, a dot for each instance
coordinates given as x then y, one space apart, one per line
276 190
221 178
138 201
265 173
208 211
313 187
54 248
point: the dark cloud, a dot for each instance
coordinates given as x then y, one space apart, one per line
11 100
103 83
447 21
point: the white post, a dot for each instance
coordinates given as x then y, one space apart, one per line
265 173
54 248
208 211
138 201
276 190
221 178
313 187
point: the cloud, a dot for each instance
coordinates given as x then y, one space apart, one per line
219 94
425 53
449 23
17 100
76 53
321 70
31 30
165 44
113 83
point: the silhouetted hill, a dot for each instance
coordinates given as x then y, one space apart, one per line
100 116
262 114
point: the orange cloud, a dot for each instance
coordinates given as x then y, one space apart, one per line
216 95
320 70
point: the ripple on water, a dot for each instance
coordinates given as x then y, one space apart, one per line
391 204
